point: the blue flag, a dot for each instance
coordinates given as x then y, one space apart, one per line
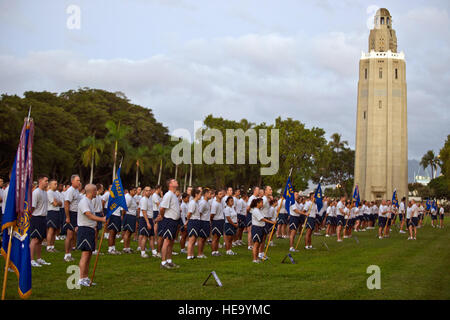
394 198
288 195
428 205
318 196
356 195
17 212
116 197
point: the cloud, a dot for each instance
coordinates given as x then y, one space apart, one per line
256 76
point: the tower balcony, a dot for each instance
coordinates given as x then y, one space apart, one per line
388 54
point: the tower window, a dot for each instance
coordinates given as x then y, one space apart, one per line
396 73
387 20
364 114
382 20
380 104
365 73
380 73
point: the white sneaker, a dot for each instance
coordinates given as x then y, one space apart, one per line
35 264
250 247
231 253
144 255
190 257
121 241
202 257
256 261
68 259
380 237
183 250
292 249
327 236
43 262
175 253
339 240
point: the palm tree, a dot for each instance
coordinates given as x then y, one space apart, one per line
160 158
336 142
429 159
116 134
91 155
139 157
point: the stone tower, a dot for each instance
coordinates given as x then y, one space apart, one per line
381 159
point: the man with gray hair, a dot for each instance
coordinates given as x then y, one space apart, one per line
87 222
71 199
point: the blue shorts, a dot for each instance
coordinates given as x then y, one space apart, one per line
318 219
205 229
241 221
155 214
62 220
441 216
217 227
114 223
143 230
415 221
329 220
294 222
400 216
283 218
160 227
340 220
129 223
248 219
365 217
73 221
230 230
434 217
86 239
382 222
311 223
53 219
99 224
257 234
38 227
268 227
193 227
169 228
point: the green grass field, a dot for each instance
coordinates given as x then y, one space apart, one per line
409 270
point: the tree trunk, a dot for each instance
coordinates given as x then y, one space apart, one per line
176 171
185 180
137 175
190 176
160 169
115 158
92 170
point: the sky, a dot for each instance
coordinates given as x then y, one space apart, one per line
253 59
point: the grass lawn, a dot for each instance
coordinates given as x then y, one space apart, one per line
409 270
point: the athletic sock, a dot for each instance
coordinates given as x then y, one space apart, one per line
163 262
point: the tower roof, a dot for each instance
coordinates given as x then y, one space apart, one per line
383 12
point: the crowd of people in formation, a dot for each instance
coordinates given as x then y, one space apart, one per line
197 218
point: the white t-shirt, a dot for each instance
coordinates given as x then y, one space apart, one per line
143 206
230 212
441 210
339 206
131 204
249 202
243 207
51 196
184 211
330 211
156 200
205 210
346 213
257 217
217 210
237 204
266 207
85 205
172 205
415 211
97 201
296 206
5 196
73 196
433 211
408 213
402 208
192 207
382 211
39 203
313 212
283 206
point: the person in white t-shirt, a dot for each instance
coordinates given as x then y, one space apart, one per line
242 217
71 199
258 223
129 219
169 216
401 214
155 200
53 214
248 217
340 214
414 220
98 211
87 222
218 220
231 224
296 220
433 213
383 211
193 222
311 211
183 229
38 224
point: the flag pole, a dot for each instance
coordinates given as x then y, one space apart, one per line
98 253
8 257
276 217
303 228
